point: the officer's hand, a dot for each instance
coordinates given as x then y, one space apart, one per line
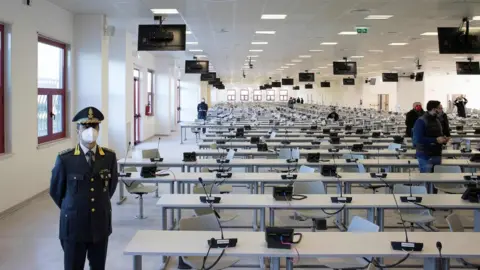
447 139
441 140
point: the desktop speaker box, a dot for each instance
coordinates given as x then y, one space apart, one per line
313 157
189 156
255 140
329 170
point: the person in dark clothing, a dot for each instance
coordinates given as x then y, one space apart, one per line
290 103
301 101
298 100
333 115
460 103
444 121
412 116
202 110
428 137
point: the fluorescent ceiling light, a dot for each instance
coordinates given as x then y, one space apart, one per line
195 50
188 32
265 32
357 56
348 33
259 42
322 67
200 56
289 64
389 61
273 16
191 43
398 44
376 51
378 17
304 56
459 57
284 67
164 11
408 57
429 34
255 50
316 50
252 56
329 65
296 61
250 60
328 43
476 18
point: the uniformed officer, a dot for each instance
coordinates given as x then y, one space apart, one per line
83 181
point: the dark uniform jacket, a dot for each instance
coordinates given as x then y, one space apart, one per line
411 117
333 115
425 132
83 194
202 109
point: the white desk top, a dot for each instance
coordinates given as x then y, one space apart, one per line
313 244
295 144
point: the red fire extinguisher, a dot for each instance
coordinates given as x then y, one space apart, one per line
147 110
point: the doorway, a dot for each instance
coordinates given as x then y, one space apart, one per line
383 103
136 106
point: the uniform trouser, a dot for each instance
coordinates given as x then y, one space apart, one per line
76 252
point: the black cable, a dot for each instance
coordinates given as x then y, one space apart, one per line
439 247
333 213
378 265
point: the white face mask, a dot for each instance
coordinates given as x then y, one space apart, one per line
90 135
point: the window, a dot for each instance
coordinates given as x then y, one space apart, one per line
2 90
150 92
257 95
52 69
244 95
270 95
283 95
231 94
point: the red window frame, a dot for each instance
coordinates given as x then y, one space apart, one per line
2 89
151 94
49 92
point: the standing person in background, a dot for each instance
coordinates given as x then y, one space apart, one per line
428 137
460 103
412 116
290 103
298 100
301 101
202 109
333 115
442 116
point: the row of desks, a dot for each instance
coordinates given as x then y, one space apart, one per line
303 145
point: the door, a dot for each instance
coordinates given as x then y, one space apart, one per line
383 103
177 100
136 107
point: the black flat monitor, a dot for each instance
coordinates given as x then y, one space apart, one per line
344 68
348 81
308 86
325 84
167 37
454 40
276 84
267 86
306 77
287 81
196 66
419 77
468 68
296 88
208 77
390 77
261 87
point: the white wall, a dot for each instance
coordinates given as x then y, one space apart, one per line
26 170
410 91
370 93
144 62
190 89
441 85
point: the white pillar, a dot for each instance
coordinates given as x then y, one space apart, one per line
166 83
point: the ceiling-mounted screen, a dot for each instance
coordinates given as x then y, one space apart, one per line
306 77
325 84
308 86
276 84
344 68
390 77
207 77
373 81
287 81
216 81
196 66
419 77
296 88
261 87
454 40
167 37
348 81
468 68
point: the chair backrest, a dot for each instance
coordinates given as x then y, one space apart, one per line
199 223
359 224
353 156
132 185
404 189
306 169
198 189
454 223
303 187
394 146
286 153
150 153
447 169
361 168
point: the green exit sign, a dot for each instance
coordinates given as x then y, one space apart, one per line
362 30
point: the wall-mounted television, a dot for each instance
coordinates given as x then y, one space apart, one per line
419 77
390 77
167 37
276 84
196 66
468 68
325 84
454 40
296 88
344 68
207 77
287 81
306 77
348 81
308 86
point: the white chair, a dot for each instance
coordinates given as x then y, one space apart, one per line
455 225
203 223
153 153
137 188
394 146
305 188
306 169
373 187
358 225
449 188
421 217
211 189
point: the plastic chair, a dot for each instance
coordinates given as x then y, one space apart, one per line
358 225
198 189
203 223
196 131
373 187
137 188
306 169
449 188
304 188
455 225
285 153
420 217
223 188
153 153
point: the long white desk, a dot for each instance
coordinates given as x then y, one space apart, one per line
303 145
313 245
279 138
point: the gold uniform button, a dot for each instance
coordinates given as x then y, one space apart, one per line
92 189
93 210
91 180
92 199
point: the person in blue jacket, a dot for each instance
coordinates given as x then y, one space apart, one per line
202 109
83 181
429 137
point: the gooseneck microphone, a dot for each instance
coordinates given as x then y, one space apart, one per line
378 174
439 247
411 198
157 159
122 173
341 198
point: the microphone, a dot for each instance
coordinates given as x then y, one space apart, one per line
157 159
122 173
208 197
411 198
341 198
439 247
351 159
471 177
378 174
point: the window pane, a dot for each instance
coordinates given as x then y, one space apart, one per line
149 82
50 66
58 111
42 113
136 73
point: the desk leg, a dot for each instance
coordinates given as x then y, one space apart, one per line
163 218
371 215
476 220
274 263
181 135
434 264
272 217
171 213
156 191
262 219
121 191
262 187
137 262
380 219
289 265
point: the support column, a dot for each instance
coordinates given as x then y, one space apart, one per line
165 103
91 70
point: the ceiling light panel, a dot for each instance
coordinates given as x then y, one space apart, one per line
290 64
255 50
315 50
304 56
195 50
429 34
191 43
357 56
274 16
259 42
296 61
375 51
188 32
398 44
265 32
348 33
164 11
378 17
328 43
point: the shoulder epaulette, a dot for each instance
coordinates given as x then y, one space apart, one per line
66 151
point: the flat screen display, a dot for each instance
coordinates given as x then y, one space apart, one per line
308 86
196 66
168 37
325 84
207 77
296 88
276 84
348 81
344 68
287 81
453 40
306 77
468 68
419 77
390 77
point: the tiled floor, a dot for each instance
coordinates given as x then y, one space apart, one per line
28 237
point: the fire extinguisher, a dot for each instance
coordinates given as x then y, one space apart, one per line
147 110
